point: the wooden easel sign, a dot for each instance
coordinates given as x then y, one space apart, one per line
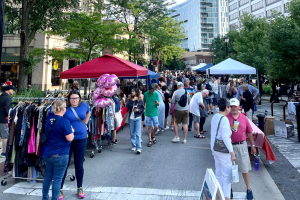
211 189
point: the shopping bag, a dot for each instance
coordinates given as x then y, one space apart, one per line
235 173
118 119
126 118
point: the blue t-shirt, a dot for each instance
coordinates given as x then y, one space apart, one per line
79 127
57 142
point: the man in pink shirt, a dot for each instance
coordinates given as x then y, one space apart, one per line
241 130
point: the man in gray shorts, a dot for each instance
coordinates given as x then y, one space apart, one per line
241 131
195 106
5 105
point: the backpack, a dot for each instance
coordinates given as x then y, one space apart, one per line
183 100
45 136
208 86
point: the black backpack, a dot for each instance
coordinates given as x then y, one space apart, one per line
183 100
208 87
45 136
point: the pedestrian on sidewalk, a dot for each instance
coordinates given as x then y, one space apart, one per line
191 93
209 97
247 101
203 113
215 89
78 113
5 104
151 100
195 106
117 109
161 108
57 149
173 108
135 106
220 129
142 90
182 100
241 131
253 90
167 100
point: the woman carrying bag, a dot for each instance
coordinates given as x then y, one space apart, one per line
135 106
221 146
78 113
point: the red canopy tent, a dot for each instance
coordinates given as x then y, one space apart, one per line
107 64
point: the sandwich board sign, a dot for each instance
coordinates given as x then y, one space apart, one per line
211 187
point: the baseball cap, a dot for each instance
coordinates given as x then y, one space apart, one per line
234 102
9 87
174 78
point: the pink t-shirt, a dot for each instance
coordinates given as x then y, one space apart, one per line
243 129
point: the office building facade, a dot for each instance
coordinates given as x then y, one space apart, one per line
203 20
259 8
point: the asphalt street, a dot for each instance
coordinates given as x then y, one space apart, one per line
165 165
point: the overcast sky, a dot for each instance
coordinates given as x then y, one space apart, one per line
178 1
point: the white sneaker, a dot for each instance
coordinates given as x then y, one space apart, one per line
133 149
172 128
166 128
156 132
183 141
141 141
162 130
175 140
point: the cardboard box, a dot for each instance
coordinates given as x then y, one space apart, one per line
269 125
284 128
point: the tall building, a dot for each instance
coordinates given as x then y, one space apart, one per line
203 20
259 8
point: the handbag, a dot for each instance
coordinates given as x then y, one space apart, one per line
118 119
173 105
235 173
219 145
75 113
126 118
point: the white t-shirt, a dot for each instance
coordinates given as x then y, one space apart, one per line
224 131
194 105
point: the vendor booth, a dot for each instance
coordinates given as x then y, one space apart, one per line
197 66
203 69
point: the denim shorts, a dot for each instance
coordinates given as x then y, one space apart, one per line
151 121
4 131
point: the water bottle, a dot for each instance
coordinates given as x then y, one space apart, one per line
256 164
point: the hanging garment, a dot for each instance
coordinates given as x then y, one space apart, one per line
31 144
161 110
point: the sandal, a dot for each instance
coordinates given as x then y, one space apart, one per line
154 140
200 137
195 135
149 144
205 131
202 132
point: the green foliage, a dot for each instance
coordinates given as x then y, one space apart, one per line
175 64
32 92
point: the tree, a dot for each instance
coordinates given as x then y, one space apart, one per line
91 34
31 16
136 13
165 34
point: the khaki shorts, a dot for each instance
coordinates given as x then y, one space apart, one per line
242 157
181 116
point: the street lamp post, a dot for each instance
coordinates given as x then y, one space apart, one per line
226 41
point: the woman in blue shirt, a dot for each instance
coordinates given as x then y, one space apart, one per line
57 149
78 113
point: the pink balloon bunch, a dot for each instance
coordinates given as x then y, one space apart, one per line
107 87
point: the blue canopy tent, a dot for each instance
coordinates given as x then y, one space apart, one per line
203 69
150 76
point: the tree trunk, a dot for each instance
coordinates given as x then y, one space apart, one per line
158 61
24 47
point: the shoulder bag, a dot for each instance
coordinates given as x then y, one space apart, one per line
219 145
75 113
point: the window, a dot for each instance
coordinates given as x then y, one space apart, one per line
233 16
261 15
244 10
257 6
243 2
233 7
269 12
286 9
57 68
269 2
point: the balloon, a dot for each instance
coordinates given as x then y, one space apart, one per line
96 96
109 92
111 81
97 91
102 103
102 80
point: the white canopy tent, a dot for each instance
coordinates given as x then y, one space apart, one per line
197 66
230 66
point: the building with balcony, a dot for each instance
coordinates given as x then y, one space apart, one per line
259 8
203 20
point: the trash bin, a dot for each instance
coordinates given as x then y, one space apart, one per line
298 120
261 122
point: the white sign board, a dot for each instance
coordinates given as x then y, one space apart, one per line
280 129
211 187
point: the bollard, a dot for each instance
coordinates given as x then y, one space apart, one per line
298 120
261 122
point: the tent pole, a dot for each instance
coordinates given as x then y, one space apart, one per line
90 86
257 80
